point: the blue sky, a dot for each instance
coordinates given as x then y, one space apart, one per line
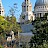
7 3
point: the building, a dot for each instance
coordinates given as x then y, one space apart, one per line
26 15
26 11
1 9
40 8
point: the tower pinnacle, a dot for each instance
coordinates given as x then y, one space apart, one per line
27 1
1 9
26 11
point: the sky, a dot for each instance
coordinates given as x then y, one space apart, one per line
7 3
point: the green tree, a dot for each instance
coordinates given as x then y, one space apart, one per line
16 27
1 46
7 18
8 24
40 32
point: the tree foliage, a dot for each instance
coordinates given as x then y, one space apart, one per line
1 46
40 32
8 24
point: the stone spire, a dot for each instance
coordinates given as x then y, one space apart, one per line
27 1
27 5
26 11
1 9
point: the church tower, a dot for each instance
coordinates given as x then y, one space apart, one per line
1 9
26 11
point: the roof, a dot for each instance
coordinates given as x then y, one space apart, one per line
41 2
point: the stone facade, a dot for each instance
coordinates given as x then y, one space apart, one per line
2 12
26 11
40 8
